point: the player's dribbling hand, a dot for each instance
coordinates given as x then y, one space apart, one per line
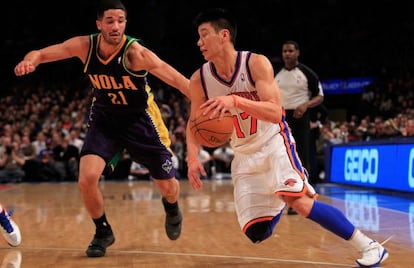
218 105
24 67
194 169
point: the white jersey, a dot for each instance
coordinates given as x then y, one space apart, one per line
265 162
249 133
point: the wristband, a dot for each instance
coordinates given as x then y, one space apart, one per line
235 102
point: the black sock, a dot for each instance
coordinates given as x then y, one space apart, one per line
102 225
170 208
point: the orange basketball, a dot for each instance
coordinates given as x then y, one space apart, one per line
211 132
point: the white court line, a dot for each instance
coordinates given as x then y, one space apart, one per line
249 258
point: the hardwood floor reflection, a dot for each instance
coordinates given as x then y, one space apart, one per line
56 230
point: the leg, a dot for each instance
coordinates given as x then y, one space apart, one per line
292 211
261 229
170 191
333 220
90 169
257 206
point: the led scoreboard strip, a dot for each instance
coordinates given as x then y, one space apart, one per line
386 164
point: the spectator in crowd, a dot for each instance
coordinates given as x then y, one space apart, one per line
408 130
138 172
206 159
178 149
48 170
66 159
74 138
223 155
40 142
27 148
29 160
11 161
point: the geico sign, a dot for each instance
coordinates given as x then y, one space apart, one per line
361 165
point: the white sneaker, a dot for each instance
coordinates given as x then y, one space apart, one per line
10 230
373 255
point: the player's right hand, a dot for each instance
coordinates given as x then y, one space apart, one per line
194 170
24 67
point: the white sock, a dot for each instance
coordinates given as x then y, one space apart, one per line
360 240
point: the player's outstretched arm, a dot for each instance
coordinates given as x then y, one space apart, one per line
141 58
73 47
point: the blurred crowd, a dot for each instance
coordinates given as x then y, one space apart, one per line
42 127
385 110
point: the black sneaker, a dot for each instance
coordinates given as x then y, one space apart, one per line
173 223
97 247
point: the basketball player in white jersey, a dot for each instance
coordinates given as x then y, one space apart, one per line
266 171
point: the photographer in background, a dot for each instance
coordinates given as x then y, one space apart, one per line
11 161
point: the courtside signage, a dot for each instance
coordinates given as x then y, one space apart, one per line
387 166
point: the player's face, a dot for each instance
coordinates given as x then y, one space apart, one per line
112 25
209 41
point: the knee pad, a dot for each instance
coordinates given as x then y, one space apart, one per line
259 231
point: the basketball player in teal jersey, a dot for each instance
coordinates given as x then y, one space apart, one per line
123 113
266 171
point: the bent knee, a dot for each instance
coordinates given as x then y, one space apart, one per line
168 188
302 205
89 179
259 231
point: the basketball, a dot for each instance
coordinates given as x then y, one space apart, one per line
211 132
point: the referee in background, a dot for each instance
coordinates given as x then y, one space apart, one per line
300 90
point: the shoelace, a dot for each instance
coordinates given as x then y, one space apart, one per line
386 240
5 223
382 243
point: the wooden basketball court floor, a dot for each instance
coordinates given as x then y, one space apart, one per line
56 229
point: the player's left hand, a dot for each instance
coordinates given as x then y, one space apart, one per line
194 170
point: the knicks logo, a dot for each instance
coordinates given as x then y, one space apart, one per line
290 182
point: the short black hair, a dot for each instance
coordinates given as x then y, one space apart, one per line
291 42
104 5
220 19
